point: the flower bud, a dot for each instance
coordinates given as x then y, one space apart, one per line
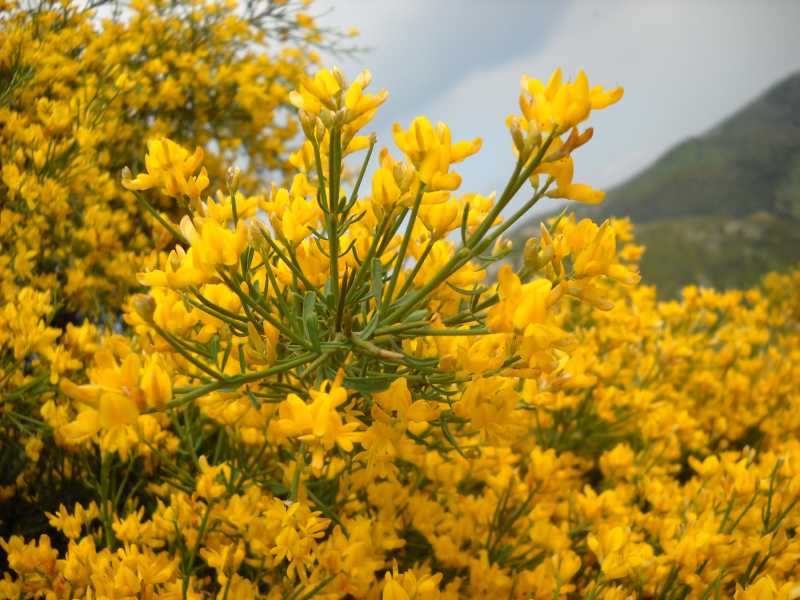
544 235
502 247
555 294
122 82
403 175
340 117
257 240
319 129
145 307
534 134
327 118
156 385
545 256
307 122
517 137
339 77
256 341
364 78
233 176
530 254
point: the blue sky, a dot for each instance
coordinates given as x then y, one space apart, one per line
685 66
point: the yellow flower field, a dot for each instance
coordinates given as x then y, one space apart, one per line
248 350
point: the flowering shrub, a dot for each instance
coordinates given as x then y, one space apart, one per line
80 94
320 390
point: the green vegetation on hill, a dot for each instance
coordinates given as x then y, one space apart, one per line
720 208
716 251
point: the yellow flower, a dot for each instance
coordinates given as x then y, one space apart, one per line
562 170
212 481
318 422
327 90
608 547
156 384
559 105
397 399
83 428
110 405
170 167
763 589
316 92
361 107
594 252
441 219
431 151
33 448
214 244
12 178
70 524
520 305
300 219
385 191
224 560
393 589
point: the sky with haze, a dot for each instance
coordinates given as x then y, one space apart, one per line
685 66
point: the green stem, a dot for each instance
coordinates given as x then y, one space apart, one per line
420 261
183 351
247 301
318 588
333 210
105 498
193 554
363 268
293 265
518 178
166 224
362 171
401 253
459 259
301 463
216 310
445 332
242 379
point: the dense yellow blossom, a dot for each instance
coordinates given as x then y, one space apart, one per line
172 168
335 386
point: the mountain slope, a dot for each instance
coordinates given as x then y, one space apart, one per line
722 252
720 208
746 164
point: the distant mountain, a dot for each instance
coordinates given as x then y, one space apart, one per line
716 251
720 208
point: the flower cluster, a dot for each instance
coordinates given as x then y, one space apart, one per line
339 389
84 85
81 86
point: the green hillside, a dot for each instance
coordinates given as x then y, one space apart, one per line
720 208
714 251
